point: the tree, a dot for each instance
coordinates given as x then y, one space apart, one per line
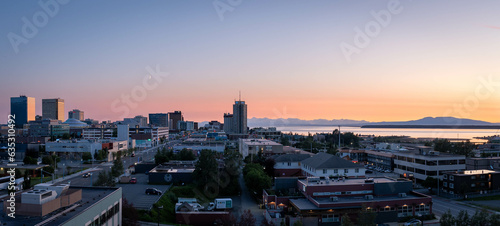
264 222
269 166
494 219
86 156
255 178
480 218
185 155
247 218
105 179
232 164
442 145
462 219
206 169
117 168
161 156
48 160
346 220
230 220
129 213
29 161
464 148
447 219
66 136
285 141
366 217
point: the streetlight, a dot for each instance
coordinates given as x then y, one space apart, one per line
159 208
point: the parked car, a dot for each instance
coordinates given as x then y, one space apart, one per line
368 171
86 175
153 191
133 180
413 222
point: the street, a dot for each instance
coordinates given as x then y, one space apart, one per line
247 202
442 205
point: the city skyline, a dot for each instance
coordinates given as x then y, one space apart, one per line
425 61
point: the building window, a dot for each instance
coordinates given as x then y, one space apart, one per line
356 170
452 185
473 177
336 171
330 218
445 184
473 185
346 170
445 176
289 163
452 177
405 211
324 171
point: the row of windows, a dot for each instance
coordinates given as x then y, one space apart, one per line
325 171
335 171
107 215
431 162
417 170
330 218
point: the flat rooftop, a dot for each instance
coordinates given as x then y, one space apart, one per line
475 172
330 182
305 204
90 195
259 142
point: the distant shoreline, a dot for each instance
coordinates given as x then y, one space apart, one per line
433 126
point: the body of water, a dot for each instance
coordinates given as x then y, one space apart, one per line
415 133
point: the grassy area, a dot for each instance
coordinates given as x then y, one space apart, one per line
485 198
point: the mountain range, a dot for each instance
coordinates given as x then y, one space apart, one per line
427 121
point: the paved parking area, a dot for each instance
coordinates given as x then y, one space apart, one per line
135 193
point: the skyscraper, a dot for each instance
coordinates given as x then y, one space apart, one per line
174 118
23 108
53 109
228 123
76 114
240 117
158 119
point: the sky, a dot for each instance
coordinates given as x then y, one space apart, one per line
372 60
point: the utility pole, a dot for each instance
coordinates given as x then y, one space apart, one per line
339 137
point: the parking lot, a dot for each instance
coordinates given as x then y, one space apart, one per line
135 193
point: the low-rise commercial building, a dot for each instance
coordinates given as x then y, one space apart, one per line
489 163
74 149
66 205
424 162
471 181
262 146
380 159
172 172
289 165
325 201
326 165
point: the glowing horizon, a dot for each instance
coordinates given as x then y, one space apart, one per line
428 60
